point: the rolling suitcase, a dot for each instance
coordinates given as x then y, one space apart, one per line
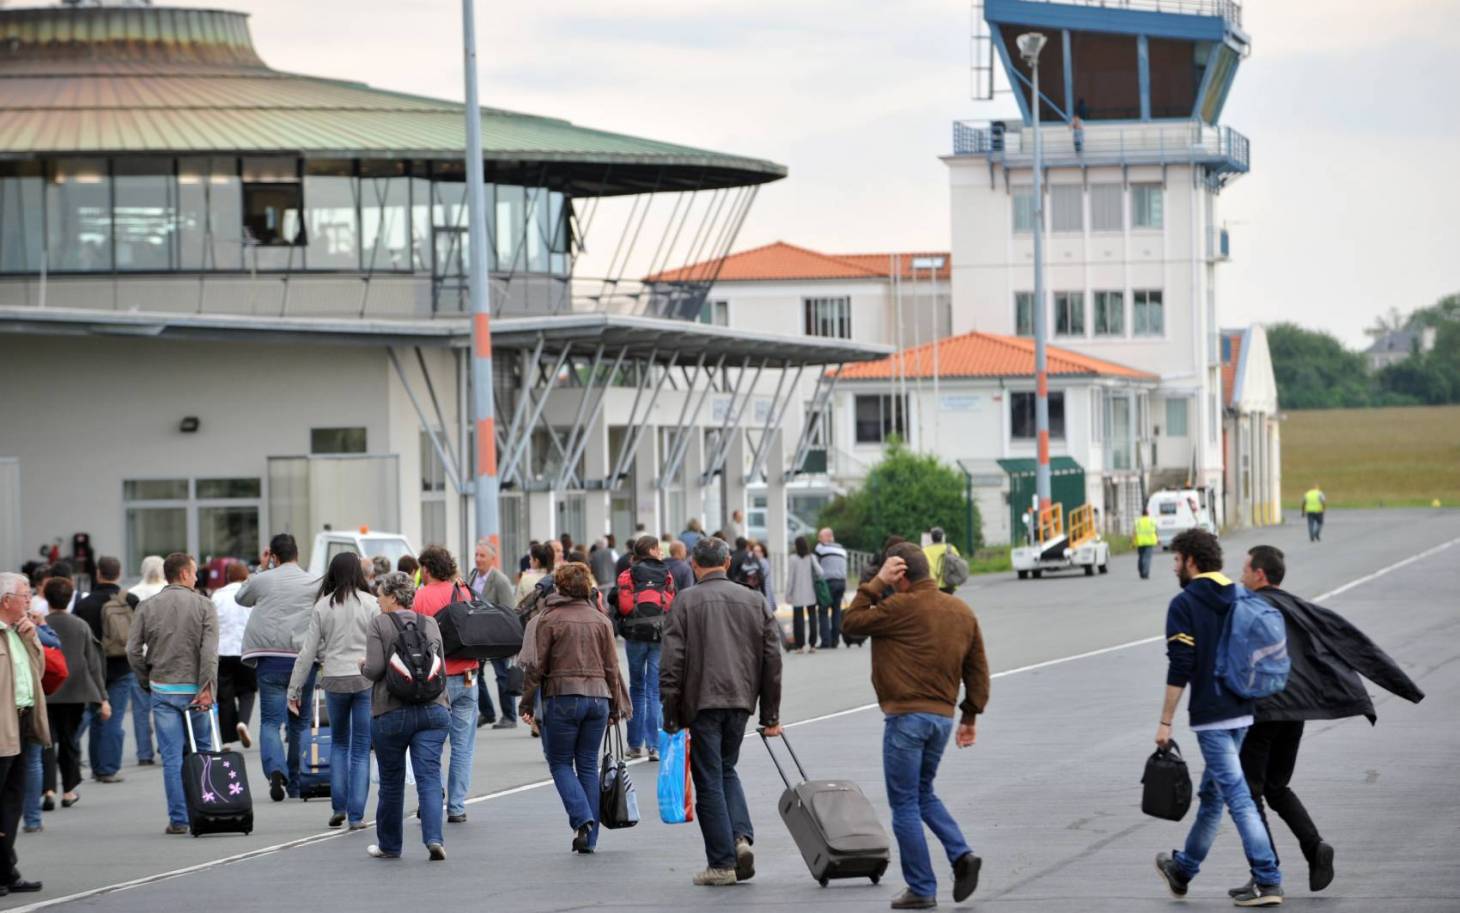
834 826
314 757
215 785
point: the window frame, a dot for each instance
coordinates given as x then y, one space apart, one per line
1023 303
1072 303
1185 412
1144 303
364 439
1097 190
1017 415
1022 209
827 316
1061 196
892 418
1102 314
1147 206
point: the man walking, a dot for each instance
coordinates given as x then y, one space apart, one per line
1328 654
173 649
282 598
107 737
1314 503
1219 717
935 554
925 644
1145 540
438 584
833 560
488 582
22 718
721 656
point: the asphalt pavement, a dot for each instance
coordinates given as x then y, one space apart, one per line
1049 796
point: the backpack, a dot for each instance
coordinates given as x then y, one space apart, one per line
952 568
645 593
116 625
748 573
531 604
1252 655
414 673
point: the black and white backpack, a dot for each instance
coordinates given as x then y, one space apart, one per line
414 671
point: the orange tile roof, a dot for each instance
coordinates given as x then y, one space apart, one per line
787 261
986 355
1229 366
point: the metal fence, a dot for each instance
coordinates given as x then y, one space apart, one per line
1183 141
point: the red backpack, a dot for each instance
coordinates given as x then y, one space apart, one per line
645 593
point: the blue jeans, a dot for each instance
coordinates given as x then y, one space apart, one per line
349 752
831 621
1315 527
141 721
463 742
35 771
508 701
572 733
643 693
912 746
1143 560
172 741
719 799
1222 783
422 729
107 739
273 676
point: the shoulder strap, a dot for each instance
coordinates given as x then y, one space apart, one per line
394 617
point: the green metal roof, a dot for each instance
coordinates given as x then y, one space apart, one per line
82 82
1025 466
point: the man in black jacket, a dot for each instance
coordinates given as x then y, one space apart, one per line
1328 654
106 738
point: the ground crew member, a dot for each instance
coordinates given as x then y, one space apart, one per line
1313 504
935 553
1145 541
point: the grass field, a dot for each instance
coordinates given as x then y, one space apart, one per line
1399 457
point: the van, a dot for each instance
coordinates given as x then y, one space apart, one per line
330 543
1178 510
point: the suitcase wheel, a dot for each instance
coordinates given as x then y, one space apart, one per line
824 881
875 878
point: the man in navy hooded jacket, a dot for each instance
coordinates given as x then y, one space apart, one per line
1220 718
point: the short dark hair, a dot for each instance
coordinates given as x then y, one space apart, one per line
1269 560
644 546
546 557
108 568
61 569
802 548
284 548
57 593
407 564
437 562
174 565
936 534
741 543
914 558
710 553
1201 547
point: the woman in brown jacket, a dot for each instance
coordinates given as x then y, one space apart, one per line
574 660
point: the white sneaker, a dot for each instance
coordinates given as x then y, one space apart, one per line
243 735
377 853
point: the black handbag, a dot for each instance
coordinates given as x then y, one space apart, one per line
618 803
1167 784
516 680
474 629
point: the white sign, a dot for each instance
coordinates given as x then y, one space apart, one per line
959 402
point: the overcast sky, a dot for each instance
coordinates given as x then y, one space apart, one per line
1352 206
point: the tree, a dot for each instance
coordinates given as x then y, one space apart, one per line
905 494
1315 371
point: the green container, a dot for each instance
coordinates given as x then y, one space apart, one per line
1066 487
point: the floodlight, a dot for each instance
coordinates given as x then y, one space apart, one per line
1030 44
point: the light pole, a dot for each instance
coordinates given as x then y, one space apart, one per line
1030 44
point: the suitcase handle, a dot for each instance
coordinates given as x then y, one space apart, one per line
780 770
212 719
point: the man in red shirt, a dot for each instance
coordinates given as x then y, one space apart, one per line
439 580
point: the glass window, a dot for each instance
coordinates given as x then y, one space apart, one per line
1069 313
229 488
385 218
78 216
271 215
1119 428
715 313
830 317
511 210
538 231
421 209
880 416
1067 208
558 216
144 214
331 200
230 531
1110 313
155 531
21 207
449 229
209 214
1146 206
1148 316
1023 199
1022 418
1177 410
1023 313
1107 202
155 490
337 440
433 471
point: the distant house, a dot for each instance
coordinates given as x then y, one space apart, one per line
1251 443
1397 345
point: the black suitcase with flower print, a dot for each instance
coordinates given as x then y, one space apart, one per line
216 786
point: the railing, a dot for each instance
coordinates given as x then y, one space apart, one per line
1096 143
1230 10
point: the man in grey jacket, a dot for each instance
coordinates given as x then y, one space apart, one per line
282 597
721 655
173 649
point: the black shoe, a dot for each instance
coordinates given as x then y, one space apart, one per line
48 803
1320 869
1260 895
456 819
907 900
1176 881
965 876
67 803
485 721
146 762
337 820
580 838
23 887
278 786
1238 892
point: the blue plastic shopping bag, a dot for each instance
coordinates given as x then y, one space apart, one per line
676 790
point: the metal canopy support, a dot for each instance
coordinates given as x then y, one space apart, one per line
637 425
820 399
577 426
426 425
578 439
734 410
523 433
685 428
773 420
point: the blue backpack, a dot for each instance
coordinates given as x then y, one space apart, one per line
1252 656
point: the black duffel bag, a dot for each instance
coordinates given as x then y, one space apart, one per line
1167 784
473 629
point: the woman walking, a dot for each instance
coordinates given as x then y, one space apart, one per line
399 725
338 629
237 684
576 665
86 684
802 572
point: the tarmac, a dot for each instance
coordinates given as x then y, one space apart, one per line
1049 796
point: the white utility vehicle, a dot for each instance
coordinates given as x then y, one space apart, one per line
364 541
1051 548
1178 510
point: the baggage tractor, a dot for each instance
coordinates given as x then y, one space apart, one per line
833 824
314 756
215 785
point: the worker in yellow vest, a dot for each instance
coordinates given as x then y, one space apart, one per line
1145 541
1313 505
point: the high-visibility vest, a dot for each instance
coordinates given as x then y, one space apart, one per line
1313 501
1145 531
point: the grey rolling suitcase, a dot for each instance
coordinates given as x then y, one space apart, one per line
834 826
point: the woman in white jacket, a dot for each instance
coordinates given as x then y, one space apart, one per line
802 573
338 629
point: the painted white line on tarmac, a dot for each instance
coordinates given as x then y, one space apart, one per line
540 784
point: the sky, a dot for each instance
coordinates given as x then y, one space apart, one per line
1350 208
